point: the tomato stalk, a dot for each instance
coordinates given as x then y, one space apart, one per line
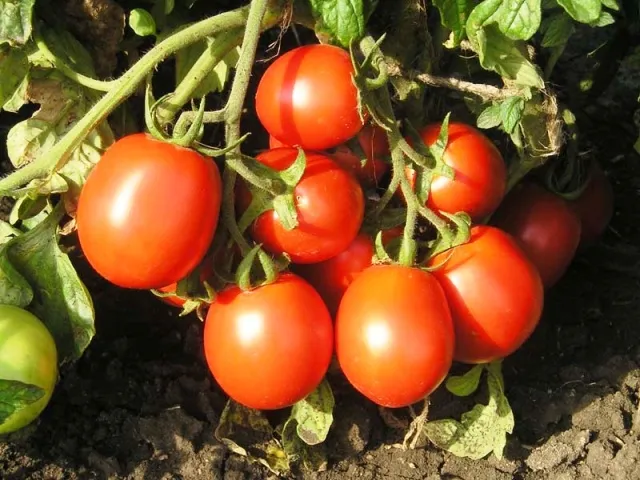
127 85
214 53
67 70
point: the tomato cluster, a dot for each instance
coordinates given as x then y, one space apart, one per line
149 211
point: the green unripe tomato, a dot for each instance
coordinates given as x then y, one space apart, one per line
27 354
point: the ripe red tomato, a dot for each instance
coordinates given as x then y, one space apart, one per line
394 335
544 226
330 207
494 292
595 206
332 277
148 212
307 98
269 347
374 144
480 172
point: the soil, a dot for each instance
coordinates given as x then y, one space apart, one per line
140 404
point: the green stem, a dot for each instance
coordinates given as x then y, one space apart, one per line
213 54
229 210
68 71
187 118
124 87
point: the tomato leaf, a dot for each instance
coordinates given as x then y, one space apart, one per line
14 289
217 78
480 431
14 396
498 52
465 385
519 19
247 432
62 104
511 113
490 117
342 21
314 414
557 30
312 457
294 172
14 67
584 11
142 22
453 15
16 21
603 20
611 4
60 298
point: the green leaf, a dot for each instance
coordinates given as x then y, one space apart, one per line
557 30
480 431
16 17
34 261
611 4
216 80
465 385
454 15
519 19
14 396
603 20
342 21
511 113
62 104
313 458
142 22
504 56
490 117
584 11
247 432
314 414
14 67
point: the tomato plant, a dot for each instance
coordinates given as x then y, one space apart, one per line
544 226
480 175
148 212
269 347
329 204
594 206
27 354
495 294
307 98
394 335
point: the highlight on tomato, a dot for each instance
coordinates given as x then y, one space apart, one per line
329 203
480 180
494 292
306 98
148 212
394 335
28 354
544 226
271 346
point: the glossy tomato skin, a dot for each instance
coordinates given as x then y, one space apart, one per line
329 203
594 206
28 354
494 292
544 226
148 212
375 146
394 335
271 346
332 277
480 172
306 98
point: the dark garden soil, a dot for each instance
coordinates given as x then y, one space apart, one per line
141 404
